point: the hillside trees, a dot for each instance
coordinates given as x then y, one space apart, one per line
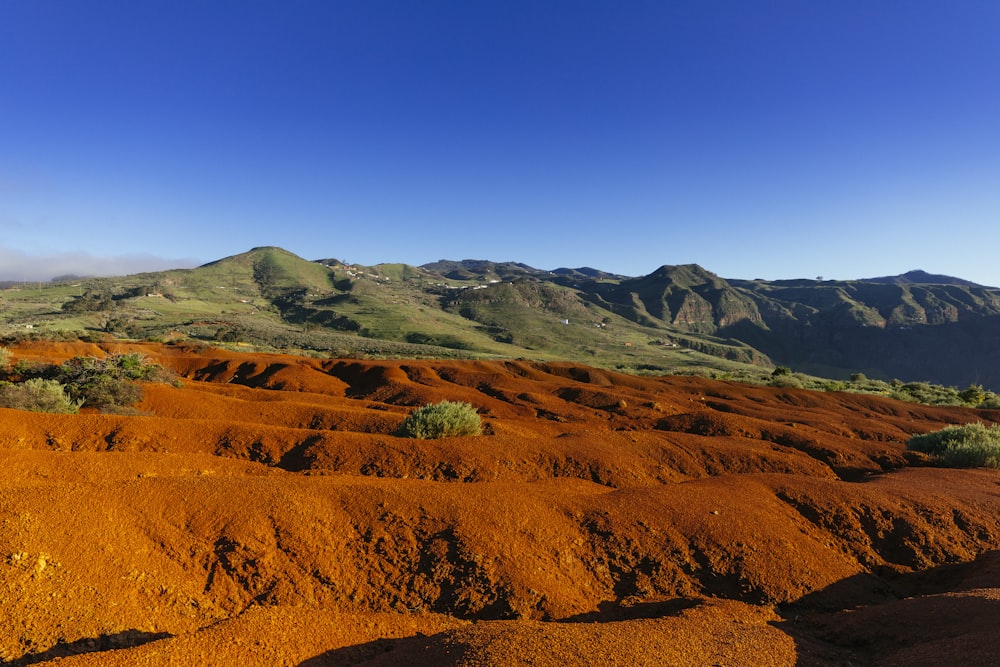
90 301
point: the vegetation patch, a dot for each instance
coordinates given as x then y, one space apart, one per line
37 395
442 420
110 384
967 446
680 320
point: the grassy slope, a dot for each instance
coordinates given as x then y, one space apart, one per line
676 319
271 298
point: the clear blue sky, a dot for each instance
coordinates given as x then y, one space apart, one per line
773 139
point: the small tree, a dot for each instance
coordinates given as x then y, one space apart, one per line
442 420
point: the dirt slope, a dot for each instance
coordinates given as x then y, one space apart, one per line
265 512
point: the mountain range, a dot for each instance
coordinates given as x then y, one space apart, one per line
913 327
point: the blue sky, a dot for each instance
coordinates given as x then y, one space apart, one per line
772 139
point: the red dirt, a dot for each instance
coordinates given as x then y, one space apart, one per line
266 513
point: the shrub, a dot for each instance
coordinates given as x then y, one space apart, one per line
4 358
785 382
990 402
37 395
105 391
108 383
967 446
973 395
926 393
442 420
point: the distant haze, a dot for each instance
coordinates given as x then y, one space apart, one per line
20 266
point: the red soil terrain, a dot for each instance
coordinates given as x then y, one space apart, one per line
264 512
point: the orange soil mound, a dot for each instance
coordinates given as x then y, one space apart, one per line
265 512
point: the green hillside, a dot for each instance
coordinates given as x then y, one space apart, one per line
676 319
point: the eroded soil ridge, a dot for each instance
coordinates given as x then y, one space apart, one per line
266 511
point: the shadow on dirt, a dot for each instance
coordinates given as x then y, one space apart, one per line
610 611
118 640
944 615
420 651
445 649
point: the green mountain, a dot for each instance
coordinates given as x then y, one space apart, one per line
687 297
920 278
678 318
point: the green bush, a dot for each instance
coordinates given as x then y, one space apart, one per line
967 446
111 384
442 420
785 382
4 358
106 392
926 393
990 402
108 383
37 395
973 395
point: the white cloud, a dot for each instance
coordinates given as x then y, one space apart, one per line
16 265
